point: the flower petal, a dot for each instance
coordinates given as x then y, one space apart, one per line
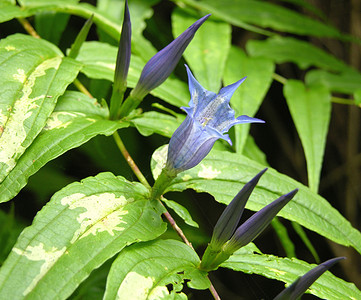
200 97
189 144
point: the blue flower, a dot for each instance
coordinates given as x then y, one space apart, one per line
209 117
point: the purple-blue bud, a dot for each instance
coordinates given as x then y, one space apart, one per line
161 65
228 221
121 66
124 52
250 229
300 286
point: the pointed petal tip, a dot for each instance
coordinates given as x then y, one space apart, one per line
241 80
263 171
229 90
292 193
194 27
300 286
331 262
204 18
126 11
256 178
247 119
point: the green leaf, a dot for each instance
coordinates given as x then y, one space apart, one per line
9 11
223 174
80 38
106 22
155 122
12 2
34 75
39 2
76 119
47 181
9 232
308 6
286 49
311 111
306 241
82 226
345 82
143 270
51 25
139 12
283 237
288 270
93 287
264 14
85 10
252 151
181 211
99 63
357 96
248 97
208 51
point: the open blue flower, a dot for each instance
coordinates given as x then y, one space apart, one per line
209 117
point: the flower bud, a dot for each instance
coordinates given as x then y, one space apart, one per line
228 221
124 52
221 247
250 229
300 286
122 65
161 65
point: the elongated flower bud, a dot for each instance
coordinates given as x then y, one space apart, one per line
124 52
221 247
250 229
300 286
122 65
228 221
161 65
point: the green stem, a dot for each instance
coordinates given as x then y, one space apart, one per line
342 101
334 99
115 103
27 26
162 182
81 88
129 104
160 185
130 160
212 258
279 78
